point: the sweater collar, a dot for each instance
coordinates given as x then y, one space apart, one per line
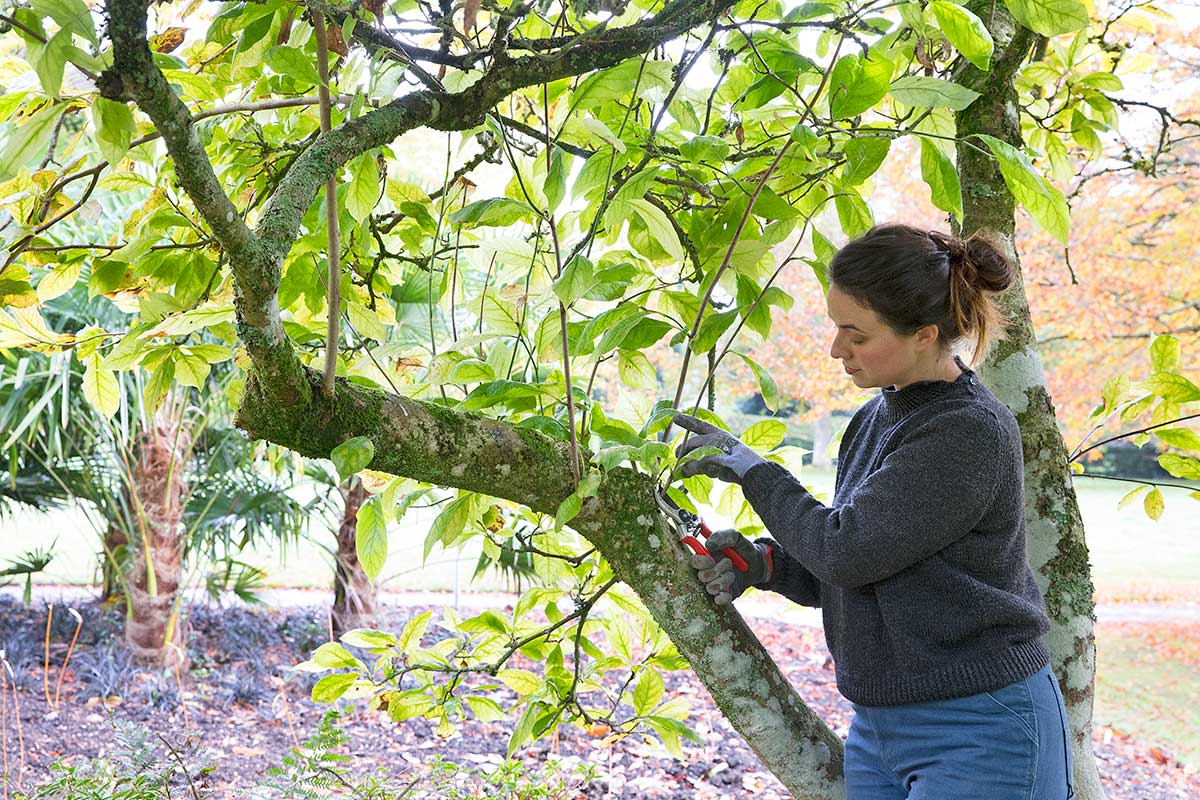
899 402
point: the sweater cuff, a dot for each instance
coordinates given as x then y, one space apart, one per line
776 564
761 479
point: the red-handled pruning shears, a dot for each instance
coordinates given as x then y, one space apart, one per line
692 529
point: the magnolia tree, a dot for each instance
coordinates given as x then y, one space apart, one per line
657 156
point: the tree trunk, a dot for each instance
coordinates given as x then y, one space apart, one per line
1057 549
153 574
354 602
822 436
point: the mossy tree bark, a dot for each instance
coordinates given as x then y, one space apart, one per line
284 404
354 593
1057 549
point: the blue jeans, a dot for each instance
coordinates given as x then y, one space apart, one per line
1007 744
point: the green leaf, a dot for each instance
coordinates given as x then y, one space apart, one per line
292 62
100 387
568 509
331 687
158 385
497 212
212 353
27 140
1050 17
923 92
966 32
352 456
575 282
857 83
939 173
711 329
1180 466
190 370
114 129
414 629
1113 393
1045 203
616 82
520 681
1171 386
648 691
523 730
700 149
502 391
766 384
657 225
556 180
1154 504
71 15
363 192
766 434
1182 438
1164 351
332 655
371 538
471 370
486 710
636 370
864 155
853 214
369 638
449 524
50 59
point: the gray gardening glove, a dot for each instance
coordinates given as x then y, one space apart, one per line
731 465
717 572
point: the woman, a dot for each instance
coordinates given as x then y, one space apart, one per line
930 608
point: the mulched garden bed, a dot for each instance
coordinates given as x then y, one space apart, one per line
243 711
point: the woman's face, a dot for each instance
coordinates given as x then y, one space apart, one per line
871 351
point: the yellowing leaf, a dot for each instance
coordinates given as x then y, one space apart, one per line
1154 504
100 387
58 282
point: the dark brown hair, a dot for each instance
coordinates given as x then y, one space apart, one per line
912 278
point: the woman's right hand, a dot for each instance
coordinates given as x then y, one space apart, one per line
720 578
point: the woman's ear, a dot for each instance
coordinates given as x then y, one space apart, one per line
927 336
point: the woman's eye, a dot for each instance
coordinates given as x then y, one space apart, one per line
860 341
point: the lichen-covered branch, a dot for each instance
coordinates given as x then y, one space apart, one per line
437 445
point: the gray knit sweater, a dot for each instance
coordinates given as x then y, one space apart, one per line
919 567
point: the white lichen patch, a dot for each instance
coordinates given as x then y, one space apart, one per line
504 469
458 470
1013 377
645 521
654 541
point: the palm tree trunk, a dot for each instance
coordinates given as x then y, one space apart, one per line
354 593
115 551
153 573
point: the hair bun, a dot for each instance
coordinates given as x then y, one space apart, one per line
985 265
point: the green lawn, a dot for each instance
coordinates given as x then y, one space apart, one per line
1133 557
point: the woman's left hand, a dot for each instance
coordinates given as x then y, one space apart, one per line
730 465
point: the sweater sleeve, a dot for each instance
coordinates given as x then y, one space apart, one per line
789 577
931 489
